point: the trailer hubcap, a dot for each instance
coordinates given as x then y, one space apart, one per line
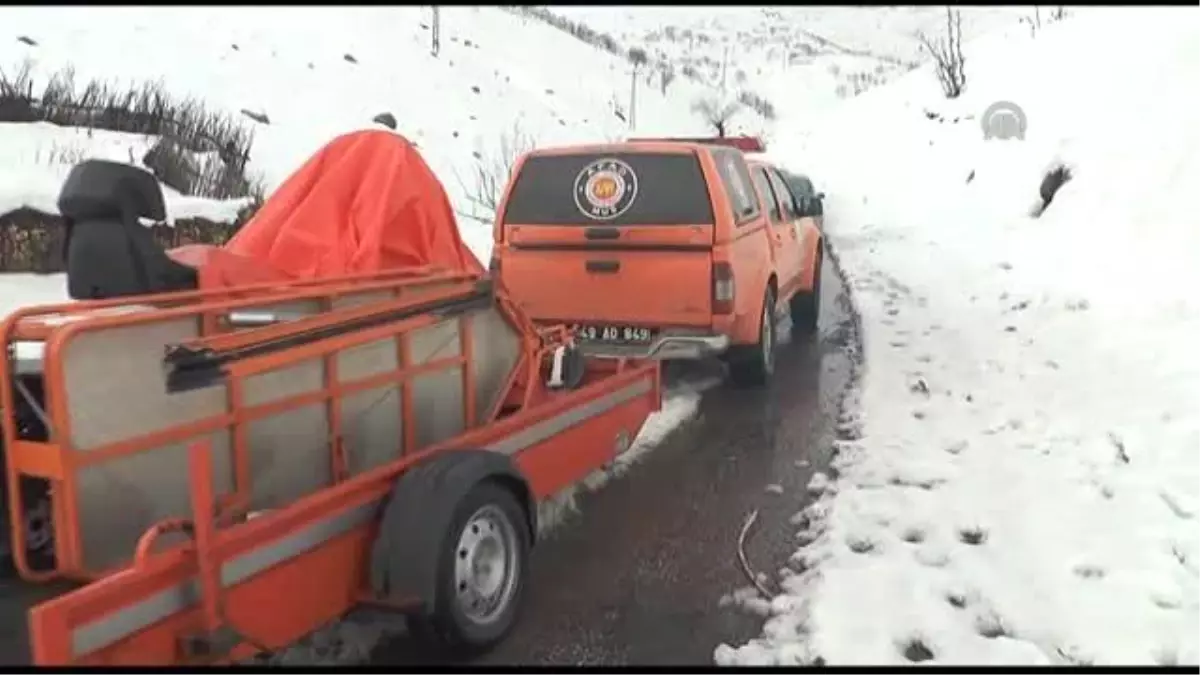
485 569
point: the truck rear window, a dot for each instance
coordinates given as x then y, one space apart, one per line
623 188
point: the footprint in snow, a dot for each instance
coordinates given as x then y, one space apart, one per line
973 536
1175 506
921 483
916 651
989 625
956 599
1089 571
860 545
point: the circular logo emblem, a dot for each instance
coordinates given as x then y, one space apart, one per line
1003 120
605 189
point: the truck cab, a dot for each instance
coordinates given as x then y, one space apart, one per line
660 248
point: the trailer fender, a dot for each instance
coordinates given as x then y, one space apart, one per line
417 515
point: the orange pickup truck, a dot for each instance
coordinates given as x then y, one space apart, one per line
664 248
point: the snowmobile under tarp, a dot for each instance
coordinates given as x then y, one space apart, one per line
366 202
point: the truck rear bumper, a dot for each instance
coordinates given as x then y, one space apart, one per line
665 346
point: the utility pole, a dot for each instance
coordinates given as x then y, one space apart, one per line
724 70
633 73
436 31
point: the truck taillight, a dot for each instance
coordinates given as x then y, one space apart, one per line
723 288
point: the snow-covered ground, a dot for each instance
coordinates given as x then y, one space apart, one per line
1020 475
804 60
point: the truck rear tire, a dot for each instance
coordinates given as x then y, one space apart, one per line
481 574
753 365
806 306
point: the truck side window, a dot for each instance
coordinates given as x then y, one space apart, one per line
787 200
735 178
764 188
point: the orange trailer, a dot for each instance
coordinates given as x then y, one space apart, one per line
226 470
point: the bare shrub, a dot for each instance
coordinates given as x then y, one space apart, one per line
492 170
637 56
144 109
947 55
1053 180
204 174
68 155
196 152
1034 21
666 76
716 112
757 103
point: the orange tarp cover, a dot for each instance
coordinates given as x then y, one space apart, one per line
365 202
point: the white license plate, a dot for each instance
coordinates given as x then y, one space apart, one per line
609 333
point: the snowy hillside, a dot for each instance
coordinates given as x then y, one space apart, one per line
802 59
1020 480
498 81
36 158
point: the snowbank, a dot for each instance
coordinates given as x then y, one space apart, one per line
36 158
1020 478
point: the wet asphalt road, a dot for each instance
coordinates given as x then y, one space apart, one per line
636 576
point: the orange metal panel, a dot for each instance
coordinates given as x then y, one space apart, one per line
136 617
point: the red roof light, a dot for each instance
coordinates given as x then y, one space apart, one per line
743 143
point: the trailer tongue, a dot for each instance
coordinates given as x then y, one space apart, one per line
229 468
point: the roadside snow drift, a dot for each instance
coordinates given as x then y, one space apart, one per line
1018 482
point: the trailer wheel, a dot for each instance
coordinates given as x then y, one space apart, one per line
481 575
